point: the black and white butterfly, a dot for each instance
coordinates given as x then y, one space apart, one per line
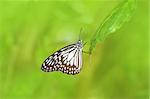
67 60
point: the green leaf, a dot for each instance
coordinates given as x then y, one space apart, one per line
121 14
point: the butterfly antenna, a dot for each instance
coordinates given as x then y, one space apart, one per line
80 33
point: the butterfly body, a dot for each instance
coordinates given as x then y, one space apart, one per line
67 60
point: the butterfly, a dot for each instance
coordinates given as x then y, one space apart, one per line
67 60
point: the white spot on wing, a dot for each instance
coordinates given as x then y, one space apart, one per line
71 55
75 59
71 61
68 50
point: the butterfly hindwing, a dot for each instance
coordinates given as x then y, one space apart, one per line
68 60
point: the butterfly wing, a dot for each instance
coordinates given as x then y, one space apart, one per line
68 60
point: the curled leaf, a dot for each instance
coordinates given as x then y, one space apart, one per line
121 14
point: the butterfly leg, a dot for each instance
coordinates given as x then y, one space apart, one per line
86 52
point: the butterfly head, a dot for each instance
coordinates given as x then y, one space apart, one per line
79 44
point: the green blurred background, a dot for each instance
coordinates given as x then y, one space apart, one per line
31 31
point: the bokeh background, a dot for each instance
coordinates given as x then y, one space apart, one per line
30 31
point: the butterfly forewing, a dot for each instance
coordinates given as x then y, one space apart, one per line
68 60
